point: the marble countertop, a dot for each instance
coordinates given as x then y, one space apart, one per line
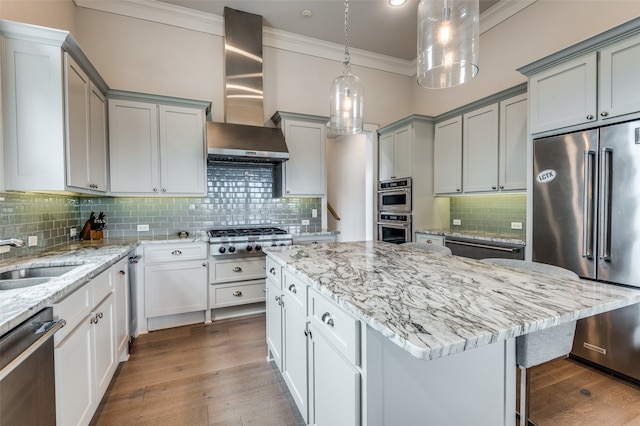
433 304
92 258
476 235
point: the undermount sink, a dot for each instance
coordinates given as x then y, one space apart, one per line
27 277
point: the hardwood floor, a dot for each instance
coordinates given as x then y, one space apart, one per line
214 374
217 374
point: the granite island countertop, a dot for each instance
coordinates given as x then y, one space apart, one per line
433 304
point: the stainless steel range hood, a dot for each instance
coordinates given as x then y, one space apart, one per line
242 137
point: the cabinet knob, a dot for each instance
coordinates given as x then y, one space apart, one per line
604 114
272 271
589 117
121 272
494 187
237 293
501 186
457 189
237 269
176 252
155 189
204 264
429 242
164 189
288 191
293 289
327 319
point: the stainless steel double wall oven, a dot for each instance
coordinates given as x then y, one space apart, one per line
395 204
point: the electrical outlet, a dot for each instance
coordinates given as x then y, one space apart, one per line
314 212
73 232
516 225
457 222
305 221
32 241
144 227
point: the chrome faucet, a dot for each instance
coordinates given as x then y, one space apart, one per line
13 242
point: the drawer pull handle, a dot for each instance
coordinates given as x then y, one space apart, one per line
272 271
293 289
176 252
237 269
237 293
327 319
121 272
429 241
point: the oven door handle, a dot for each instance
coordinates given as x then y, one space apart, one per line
485 246
395 224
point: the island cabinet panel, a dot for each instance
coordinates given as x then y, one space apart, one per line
473 387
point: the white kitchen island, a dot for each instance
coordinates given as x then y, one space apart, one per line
435 340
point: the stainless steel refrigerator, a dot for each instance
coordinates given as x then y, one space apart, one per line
586 218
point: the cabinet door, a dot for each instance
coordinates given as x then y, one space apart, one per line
335 385
480 150
75 396
104 345
512 171
133 147
564 95
447 153
274 321
305 171
175 288
385 159
34 127
402 153
121 292
78 133
294 359
98 140
182 150
619 83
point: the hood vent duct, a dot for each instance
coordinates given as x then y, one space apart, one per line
242 138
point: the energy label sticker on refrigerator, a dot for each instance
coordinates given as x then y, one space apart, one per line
546 176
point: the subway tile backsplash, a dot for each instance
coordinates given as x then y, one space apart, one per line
489 213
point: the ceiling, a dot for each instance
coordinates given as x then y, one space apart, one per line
374 25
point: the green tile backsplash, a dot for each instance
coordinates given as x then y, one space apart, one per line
489 213
237 195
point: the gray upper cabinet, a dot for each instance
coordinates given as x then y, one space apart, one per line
447 152
592 83
512 165
156 148
480 149
54 129
396 153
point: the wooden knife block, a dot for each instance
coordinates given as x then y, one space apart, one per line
89 234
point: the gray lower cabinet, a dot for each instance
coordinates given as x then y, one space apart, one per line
315 345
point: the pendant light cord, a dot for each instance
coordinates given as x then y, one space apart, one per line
346 38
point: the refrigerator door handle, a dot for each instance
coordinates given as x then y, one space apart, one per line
587 205
606 166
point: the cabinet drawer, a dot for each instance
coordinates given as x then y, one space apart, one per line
295 292
274 270
161 253
102 286
73 309
340 328
237 294
429 239
238 270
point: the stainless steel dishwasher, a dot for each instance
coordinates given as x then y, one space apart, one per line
480 249
27 379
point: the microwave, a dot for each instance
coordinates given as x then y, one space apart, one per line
395 195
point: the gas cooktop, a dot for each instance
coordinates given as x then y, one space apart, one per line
246 241
239 232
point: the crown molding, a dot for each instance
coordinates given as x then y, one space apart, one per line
182 17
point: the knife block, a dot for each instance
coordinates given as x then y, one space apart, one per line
89 234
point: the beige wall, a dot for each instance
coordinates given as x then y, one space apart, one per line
132 54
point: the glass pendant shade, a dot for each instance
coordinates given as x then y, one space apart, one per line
346 105
448 42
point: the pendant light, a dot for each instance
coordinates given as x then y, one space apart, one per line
448 42
346 94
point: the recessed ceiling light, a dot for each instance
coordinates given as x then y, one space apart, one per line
307 13
397 2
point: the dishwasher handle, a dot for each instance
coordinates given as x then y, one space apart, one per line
485 246
8 369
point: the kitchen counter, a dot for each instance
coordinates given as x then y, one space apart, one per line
433 305
476 235
93 257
